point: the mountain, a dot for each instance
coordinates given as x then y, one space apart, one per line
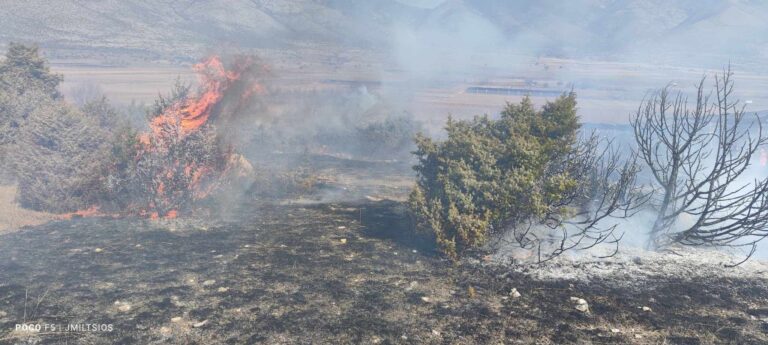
717 30
184 28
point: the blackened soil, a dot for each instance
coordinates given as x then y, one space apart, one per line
331 274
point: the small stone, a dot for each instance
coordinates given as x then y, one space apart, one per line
3 314
343 241
404 337
580 304
415 251
122 306
615 330
647 309
425 299
341 227
165 330
176 319
138 246
395 253
514 293
223 289
435 332
200 324
209 282
98 250
638 336
247 246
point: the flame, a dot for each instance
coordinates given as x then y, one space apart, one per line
222 92
194 112
92 211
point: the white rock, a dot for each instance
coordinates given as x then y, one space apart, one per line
209 282
580 304
176 319
98 250
425 299
514 293
223 289
124 307
200 324
615 330
648 309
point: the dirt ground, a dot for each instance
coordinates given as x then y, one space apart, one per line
13 217
334 272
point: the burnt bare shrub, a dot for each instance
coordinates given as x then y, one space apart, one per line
699 155
527 174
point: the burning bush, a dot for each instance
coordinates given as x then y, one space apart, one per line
182 158
523 171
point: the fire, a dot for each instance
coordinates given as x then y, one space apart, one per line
181 157
194 112
89 212
190 115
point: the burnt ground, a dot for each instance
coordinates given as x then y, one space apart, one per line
334 273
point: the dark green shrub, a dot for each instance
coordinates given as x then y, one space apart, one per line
26 83
526 168
389 138
56 158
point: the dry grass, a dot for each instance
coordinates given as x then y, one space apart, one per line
13 217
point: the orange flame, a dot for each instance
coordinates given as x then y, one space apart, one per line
195 112
189 115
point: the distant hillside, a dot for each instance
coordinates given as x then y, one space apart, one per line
183 29
649 30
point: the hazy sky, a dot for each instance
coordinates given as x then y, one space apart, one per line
423 3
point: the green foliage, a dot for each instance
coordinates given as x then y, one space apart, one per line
104 113
493 174
56 157
26 83
387 138
24 63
